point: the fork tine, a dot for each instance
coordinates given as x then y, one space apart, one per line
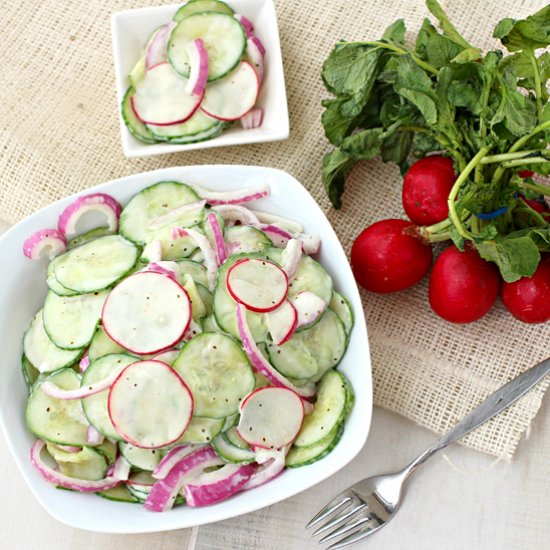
335 504
347 528
340 518
365 531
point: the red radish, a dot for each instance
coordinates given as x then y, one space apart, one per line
529 298
292 254
537 206
156 51
525 174
239 196
147 313
256 52
388 256
282 323
51 240
246 23
221 250
211 487
271 417
260 285
95 202
198 71
463 286
252 119
67 482
175 215
149 404
260 363
426 188
93 437
49 388
161 98
309 307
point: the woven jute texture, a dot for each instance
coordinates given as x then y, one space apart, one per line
59 133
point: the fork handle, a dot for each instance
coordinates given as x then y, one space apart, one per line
493 405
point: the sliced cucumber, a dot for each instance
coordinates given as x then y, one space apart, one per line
202 430
102 344
245 239
95 265
134 125
216 370
84 464
197 124
293 359
109 450
154 201
30 373
41 352
89 236
95 406
198 308
143 459
207 299
329 410
199 6
231 453
209 324
195 269
210 133
70 321
233 438
56 420
53 284
302 456
120 493
174 247
342 308
223 36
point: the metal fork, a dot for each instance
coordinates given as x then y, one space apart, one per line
367 506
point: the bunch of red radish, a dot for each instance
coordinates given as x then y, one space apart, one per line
390 255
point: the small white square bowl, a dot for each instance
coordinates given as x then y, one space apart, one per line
22 291
130 31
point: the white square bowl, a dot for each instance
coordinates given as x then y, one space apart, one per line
130 31
22 292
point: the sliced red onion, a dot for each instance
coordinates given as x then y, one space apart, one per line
291 226
267 471
252 119
51 240
168 268
258 44
239 196
292 256
212 487
75 484
246 23
174 214
207 250
49 388
278 236
84 363
121 469
96 202
69 448
310 243
171 459
93 437
157 49
236 213
308 407
256 56
309 307
221 251
260 363
198 67
153 251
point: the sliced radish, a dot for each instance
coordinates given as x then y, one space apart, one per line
260 285
309 307
291 257
156 51
198 67
175 214
171 459
212 487
246 23
219 198
221 251
50 240
93 437
267 471
252 119
67 482
96 202
49 388
161 97
256 55
149 404
260 363
282 322
271 417
232 96
167 356
147 313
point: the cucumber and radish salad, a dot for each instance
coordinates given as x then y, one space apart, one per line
470 131
197 74
185 351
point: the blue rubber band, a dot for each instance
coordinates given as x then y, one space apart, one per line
493 215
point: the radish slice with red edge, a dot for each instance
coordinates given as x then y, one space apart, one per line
252 119
232 96
271 418
93 437
147 313
175 214
246 23
291 257
309 307
267 471
282 322
161 98
256 55
50 240
67 482
221 250
95 202
198 67
49 388
260 285
239 196
212 487
156 51
149 404
260 363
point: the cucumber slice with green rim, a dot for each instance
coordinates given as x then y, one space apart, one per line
223 37
102 344
217 371
199 6
57 420
230 421
293 359
96 265
30 373
95 406
207 299
303 456
53 284
70 321
198 308
143 459
95 233
342 308
120 493
109 450
197 124
134 125
154 201
41 352
209 324
195 269
329 410
230 453
85 464
202 430
211 133
174 247
244 239
233 438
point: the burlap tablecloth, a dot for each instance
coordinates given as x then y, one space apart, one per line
59 134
